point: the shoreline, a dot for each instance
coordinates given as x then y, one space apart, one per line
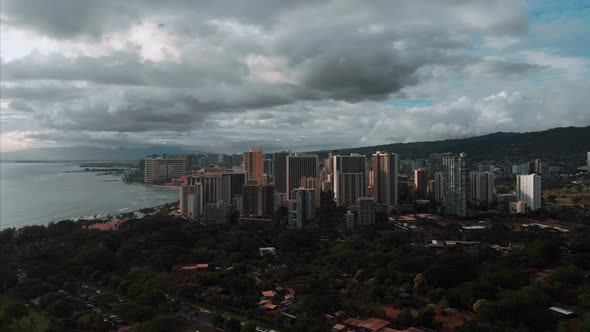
96 218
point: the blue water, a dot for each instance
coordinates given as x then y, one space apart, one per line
37 193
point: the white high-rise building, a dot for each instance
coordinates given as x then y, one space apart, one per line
454 199
191 200
385 182
482 189
528 190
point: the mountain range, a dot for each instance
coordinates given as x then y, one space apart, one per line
501 144
566 140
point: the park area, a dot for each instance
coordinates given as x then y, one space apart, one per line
19 316
577 193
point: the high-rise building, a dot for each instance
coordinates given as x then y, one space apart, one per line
191 200
211 183
313 183
366 211
279 173
588 161
517 207
350 178
486 168
420 182
528 190
349 220
301 207
162 169
239 203
438 186
217 213
536 167
268 168
430 189
300 166
454 199
482 189
254 166
183 201
195 202
436 162
231 185
385 182
258 200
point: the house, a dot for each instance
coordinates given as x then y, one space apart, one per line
192 268
373 324
269 294
338 328
267 251
368 325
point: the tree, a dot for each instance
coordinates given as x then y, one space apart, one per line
248 327
217 320
477 305
586 322
162 324
93 322
16 312
419 282
232 325
426 316
405 318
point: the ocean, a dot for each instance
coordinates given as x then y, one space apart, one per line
38 193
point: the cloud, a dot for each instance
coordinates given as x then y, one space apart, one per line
225 75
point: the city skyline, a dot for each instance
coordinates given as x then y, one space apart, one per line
136 75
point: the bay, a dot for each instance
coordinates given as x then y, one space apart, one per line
38 193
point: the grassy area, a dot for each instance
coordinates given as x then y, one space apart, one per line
569 194
33 322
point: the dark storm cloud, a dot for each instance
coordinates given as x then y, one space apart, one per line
70 18
124 68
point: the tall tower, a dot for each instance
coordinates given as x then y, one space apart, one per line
385 183
528 190
454 200
254 165
420 181
350 178
279 173
301 207
482 189
300 166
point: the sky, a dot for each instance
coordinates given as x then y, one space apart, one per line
224 76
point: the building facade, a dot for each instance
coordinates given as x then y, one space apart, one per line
350 178
385 184
258 200
301 207
528 190
162 169
254 166
454 196
300 166
482 190
420 182
366 211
